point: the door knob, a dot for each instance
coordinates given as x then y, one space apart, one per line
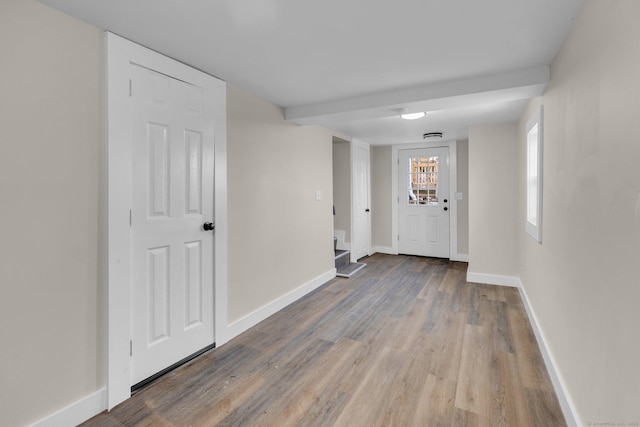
208 226
445 200
446 208
366 210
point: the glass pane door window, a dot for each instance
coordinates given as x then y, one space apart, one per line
422 180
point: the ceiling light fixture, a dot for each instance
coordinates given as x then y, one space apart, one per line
413 116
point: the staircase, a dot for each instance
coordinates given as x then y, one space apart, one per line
344 267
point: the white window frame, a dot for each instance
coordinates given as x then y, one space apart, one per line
534 152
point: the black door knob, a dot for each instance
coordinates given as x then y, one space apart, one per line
366 210
446 208
445 200
208 226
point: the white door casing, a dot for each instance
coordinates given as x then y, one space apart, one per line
172 196
121 54
361 224
424 202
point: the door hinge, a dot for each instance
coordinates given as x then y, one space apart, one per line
130 90
398 237
130 217
131 348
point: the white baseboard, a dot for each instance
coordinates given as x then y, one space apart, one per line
568 408
493 279
460 257
383 250
239 326
77 412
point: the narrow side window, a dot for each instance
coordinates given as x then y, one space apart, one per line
534 175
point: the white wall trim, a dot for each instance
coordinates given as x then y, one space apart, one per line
566 403
354 238
121 53
77 412
341 236
245 323
493 279
384 250
460 257
453 189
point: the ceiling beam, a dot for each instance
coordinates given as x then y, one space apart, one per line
513 85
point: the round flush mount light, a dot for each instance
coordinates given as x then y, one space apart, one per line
413 116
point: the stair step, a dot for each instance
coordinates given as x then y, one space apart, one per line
350 269
341 259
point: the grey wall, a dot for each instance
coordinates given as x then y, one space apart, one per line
381 205
342 187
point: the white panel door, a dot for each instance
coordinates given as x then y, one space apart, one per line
424 202
361 212
172 253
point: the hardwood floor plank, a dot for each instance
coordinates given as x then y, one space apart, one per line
446 343
432 285
495 319
544 408
462 418
405 342
369 402
531 367
258 407
473 375
435 406
473 302
515 406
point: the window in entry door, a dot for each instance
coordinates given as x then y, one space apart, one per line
422 177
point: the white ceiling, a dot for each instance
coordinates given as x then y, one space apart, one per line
351 64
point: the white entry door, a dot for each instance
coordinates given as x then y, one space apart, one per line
424 202
361 212
172 253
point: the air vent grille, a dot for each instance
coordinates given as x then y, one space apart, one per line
432 135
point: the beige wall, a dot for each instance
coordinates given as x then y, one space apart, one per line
50 190
342 187
280 237
381 205
462 165
493 207
583 280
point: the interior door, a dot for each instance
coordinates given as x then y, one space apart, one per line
361 211
424 201
172 252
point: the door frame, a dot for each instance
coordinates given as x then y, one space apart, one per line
363 145
120 53
453 189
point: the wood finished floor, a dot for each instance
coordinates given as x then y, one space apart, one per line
405 342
